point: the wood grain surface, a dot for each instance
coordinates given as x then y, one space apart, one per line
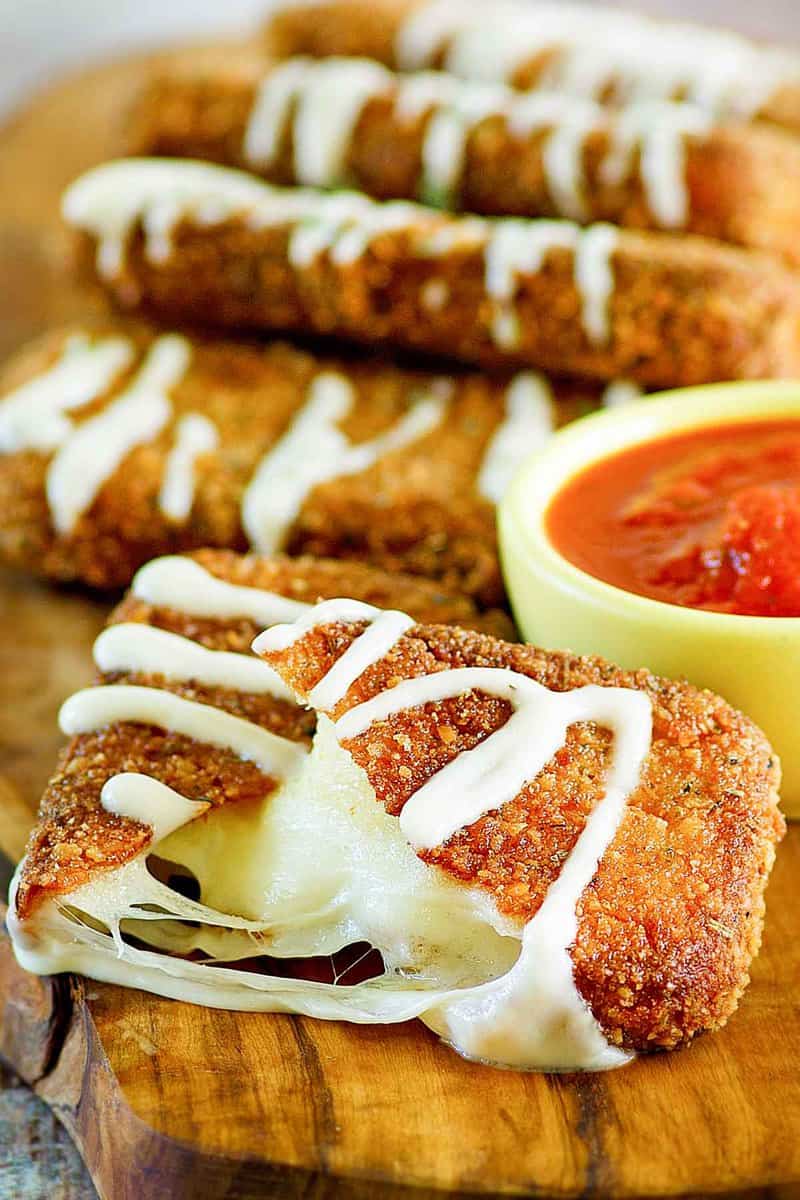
168 1100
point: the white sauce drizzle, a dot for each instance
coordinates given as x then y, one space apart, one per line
421 91
659 130
534 1014
147 650
328 109
383 631
594 278
323 99
195 435
620 391
526 427
108 201
94 708
520 248
144 799
445 142
269 117
344 225
183 584
594 49
314 449
32 417
94 450
284 634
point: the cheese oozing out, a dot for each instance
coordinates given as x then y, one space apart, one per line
319 864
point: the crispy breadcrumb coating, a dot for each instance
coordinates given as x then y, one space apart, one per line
370 27
742 180
682 309
673 916
75 837
416 510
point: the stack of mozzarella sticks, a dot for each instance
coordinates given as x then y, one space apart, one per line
474 224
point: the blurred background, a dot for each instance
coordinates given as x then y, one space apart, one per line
41 38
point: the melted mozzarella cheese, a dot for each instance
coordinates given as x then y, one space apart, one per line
319 864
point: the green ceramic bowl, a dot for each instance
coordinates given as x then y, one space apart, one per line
754 662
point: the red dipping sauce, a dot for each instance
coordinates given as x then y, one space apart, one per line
708 519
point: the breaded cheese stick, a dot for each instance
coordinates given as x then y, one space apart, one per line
179 607
556 863
508 768
189 241
600 53
484 148
117 445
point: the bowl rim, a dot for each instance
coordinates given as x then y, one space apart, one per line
570 450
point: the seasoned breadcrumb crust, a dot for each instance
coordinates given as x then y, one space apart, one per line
417 510
671 920
370 28
684 310
742 180
75 837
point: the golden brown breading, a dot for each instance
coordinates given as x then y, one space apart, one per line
660 309
673 916
417 509
742 180
76 837
330 28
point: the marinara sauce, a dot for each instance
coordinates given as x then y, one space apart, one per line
708 519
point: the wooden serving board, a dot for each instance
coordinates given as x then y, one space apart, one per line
167 1101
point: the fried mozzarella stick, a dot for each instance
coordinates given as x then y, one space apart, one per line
117 445
483 148
595 52
179 642
189 241
554 863
625 823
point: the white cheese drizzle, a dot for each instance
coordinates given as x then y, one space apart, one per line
445 144
517 247
184 585
110 199
659 131
620 391
195 435
144 799
594 279
146 650
593 50
93 451
314 449
527 425
33 416
343 225
320 101
534 1014
94 708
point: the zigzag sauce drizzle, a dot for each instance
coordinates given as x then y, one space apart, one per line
110 200
534 1015
309 96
